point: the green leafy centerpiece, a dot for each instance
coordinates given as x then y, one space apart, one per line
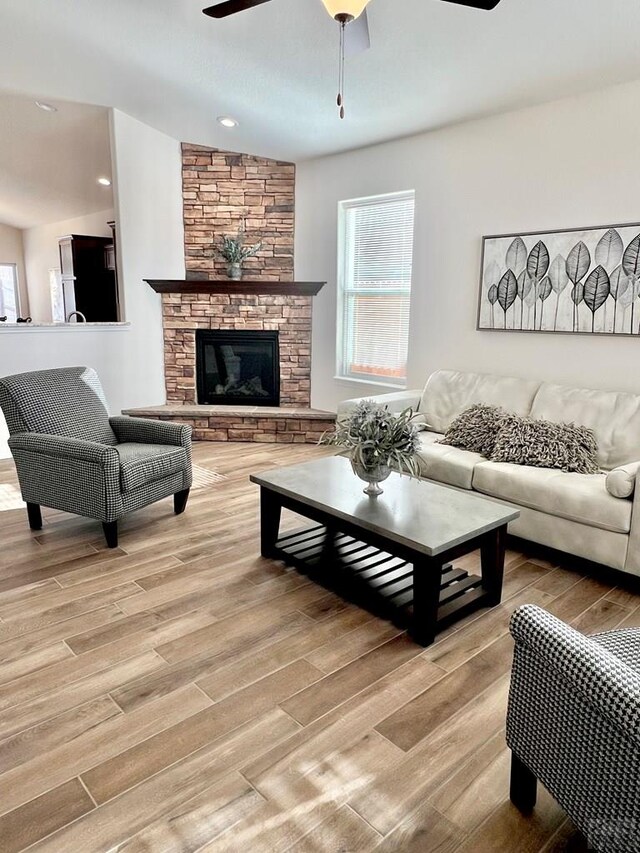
235 253
377 442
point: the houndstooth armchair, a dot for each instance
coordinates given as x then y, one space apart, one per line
574 724
70 455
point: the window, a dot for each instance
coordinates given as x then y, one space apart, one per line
57 296
374 287
9 304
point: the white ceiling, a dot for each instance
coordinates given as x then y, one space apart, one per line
274 67
50 162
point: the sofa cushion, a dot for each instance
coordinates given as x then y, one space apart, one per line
614 418
577 497
146 463
449 392
444 463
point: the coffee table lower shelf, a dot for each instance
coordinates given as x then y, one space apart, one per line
385 583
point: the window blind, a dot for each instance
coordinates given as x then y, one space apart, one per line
375 287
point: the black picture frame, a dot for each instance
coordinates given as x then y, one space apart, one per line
592 311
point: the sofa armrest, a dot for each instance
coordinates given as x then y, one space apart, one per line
396 402
63 447
603 680
621 481
632 563
145 431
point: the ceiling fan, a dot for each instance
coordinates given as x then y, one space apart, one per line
352 12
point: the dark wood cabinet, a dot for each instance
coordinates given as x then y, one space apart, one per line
89 281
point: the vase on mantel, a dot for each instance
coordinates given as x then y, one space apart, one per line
234 271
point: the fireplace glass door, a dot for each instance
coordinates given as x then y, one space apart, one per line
238 368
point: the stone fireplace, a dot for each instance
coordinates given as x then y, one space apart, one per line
224 193
197 311
282 307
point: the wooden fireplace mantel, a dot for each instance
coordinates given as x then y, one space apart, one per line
249 288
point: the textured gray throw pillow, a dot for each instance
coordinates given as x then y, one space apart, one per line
544 444
475 429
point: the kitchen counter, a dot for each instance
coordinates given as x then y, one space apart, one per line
56 327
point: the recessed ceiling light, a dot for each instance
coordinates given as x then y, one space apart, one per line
227 121
104 182
48 108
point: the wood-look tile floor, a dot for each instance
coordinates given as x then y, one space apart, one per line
182 694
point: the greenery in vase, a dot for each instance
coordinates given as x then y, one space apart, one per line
373 436
234 251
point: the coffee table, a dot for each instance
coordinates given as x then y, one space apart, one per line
394 550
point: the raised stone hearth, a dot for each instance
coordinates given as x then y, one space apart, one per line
245 423
284 307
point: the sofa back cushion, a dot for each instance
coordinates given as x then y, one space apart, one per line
449 392
613 416
66 401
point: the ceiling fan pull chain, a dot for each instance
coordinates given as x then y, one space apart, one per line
339 98
341 73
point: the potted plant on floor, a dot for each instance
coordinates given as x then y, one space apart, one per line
236 253
377 442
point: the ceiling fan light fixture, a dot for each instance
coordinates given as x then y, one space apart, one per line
345 10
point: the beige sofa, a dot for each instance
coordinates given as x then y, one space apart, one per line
596 516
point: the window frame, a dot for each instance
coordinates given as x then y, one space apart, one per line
16 290
342 374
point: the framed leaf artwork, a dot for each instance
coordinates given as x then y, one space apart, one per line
580 281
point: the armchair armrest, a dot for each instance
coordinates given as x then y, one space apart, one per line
64 447
395 402
605 681
146 431
70 474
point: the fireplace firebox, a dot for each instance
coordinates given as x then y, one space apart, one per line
238 368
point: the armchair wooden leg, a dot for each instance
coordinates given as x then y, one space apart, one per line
180 501
524 785
111 533
35 516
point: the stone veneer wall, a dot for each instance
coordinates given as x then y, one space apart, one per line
183 313
222 192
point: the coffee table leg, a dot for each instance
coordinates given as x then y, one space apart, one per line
492 559
329 545
427 576
270 512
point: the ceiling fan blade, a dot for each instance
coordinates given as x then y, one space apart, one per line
476 4
356 36
230 7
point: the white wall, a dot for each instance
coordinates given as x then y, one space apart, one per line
31 348
129 359
571 163
148 194
41 255
12 252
